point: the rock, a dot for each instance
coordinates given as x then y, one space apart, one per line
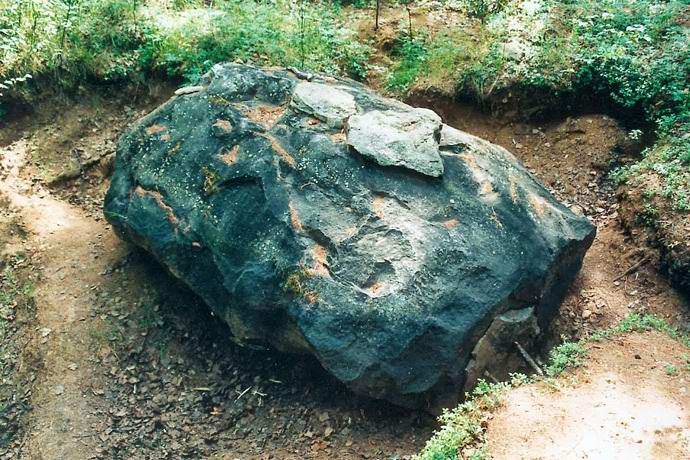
396 261
451 137
327 103
494 355
398 138
188 90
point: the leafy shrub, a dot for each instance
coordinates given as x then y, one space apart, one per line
461 428
68 41
565 356
411 53
71 40
480 9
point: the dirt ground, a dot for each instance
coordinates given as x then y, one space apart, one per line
134 366
631 400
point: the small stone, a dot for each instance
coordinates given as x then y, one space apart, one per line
586 314
188 90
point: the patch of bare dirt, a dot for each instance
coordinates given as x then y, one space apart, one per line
64 241
68 147
630 400
17 322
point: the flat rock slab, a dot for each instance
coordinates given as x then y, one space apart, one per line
398 138
322 218
324 102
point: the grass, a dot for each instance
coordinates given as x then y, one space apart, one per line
462 429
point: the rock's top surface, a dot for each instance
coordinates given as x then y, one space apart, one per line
323 218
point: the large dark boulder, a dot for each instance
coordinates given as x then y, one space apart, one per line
322 218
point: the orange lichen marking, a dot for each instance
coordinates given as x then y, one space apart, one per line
486 188
158 198
311 297
294 218
338 137
377 205
320 255
155 129
229 157
513 188
166 137
495 218
375 287
225 125
351 231
264 114
537 203
280 150
451 223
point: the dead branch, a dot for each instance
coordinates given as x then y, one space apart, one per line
529 359
632 268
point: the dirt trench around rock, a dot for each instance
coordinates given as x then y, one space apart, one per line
74 251
133 366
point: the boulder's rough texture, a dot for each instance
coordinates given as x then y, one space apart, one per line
397 250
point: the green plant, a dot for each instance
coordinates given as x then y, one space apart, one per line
67 42
411 54
565 356
481 9
670 369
